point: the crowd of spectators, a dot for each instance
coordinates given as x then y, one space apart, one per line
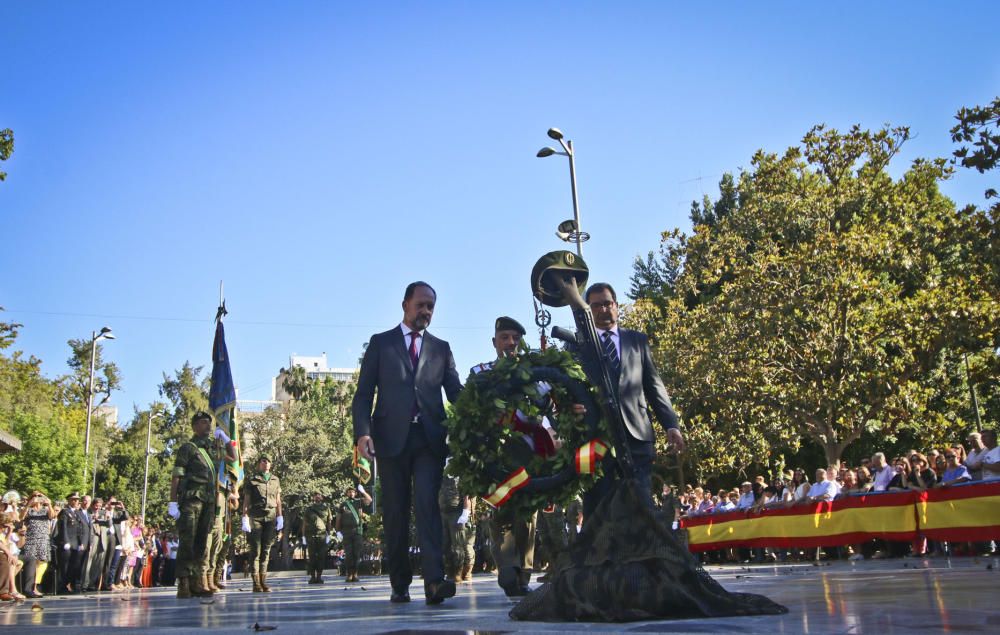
945 467
78 545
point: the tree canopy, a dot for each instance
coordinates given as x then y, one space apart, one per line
818 299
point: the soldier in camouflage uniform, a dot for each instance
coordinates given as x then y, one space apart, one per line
225 501
262 519
351 530
193 505
317 520
551 536
459 531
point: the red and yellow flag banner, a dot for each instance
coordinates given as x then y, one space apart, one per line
958 513
518 479
589 455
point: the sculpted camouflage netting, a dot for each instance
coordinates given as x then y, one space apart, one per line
625 566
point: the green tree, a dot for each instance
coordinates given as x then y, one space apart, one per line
50 460
6 148
107 377
821 303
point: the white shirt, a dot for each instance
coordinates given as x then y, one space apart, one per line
746 501
406 338
822 490
882 478
991 464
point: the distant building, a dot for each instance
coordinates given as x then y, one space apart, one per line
108 414
316 369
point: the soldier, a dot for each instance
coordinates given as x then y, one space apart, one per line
350 530
262 519
317 520
552 536
226 500
513 538
192 505
459 533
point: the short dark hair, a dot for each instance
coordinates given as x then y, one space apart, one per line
410 288
597 287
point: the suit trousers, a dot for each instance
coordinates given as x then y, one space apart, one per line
643 453
69 561
414 474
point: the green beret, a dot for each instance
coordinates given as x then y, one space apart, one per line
552 264
505 323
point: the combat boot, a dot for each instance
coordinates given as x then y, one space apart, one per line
217 579
263 583
199 586
183 588
210 581
256 583
467 572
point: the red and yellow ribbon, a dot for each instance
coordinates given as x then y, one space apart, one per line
589 455
505 490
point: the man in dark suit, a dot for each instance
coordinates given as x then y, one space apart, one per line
71 538
409 367
639 385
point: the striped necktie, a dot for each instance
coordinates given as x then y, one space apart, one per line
611 352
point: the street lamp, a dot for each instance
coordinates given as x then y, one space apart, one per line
105 334
568 231
149 451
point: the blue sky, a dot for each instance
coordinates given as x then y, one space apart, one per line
318 156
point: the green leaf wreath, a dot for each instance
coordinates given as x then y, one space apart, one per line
481 446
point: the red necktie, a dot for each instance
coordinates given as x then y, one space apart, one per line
413 348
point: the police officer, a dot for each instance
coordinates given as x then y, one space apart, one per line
459 533
350 529
192 505
317 520
262 519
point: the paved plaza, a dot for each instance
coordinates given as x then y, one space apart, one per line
960 595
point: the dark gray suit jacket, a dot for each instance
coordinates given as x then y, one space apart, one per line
640 385
386 369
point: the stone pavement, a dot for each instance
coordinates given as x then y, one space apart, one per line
960 595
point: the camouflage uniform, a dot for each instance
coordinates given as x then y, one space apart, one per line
350 522
459 540
196 501
552 534
262 501
317 520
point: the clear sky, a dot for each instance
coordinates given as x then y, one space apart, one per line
318 156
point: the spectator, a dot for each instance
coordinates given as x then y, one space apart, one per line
100 546
901 474
956 472
746 498
822 490
833 475
990 457
8 559
850 485
864 478
921 477
37 517
973 459
800 484
724 505
882 473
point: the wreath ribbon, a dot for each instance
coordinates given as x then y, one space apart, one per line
588 455
506 489
361 467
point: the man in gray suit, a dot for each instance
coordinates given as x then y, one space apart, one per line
639 389
402 429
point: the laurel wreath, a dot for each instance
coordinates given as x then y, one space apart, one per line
480 443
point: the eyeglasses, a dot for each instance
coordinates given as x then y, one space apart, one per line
949 456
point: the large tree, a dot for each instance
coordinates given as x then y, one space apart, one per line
821 301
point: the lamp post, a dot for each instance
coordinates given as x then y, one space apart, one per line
149 451
105 334
568 231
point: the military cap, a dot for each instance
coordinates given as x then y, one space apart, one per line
554 263
505 323
201 414
75 495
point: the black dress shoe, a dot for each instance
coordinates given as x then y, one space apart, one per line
516 591
437 592
399 598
